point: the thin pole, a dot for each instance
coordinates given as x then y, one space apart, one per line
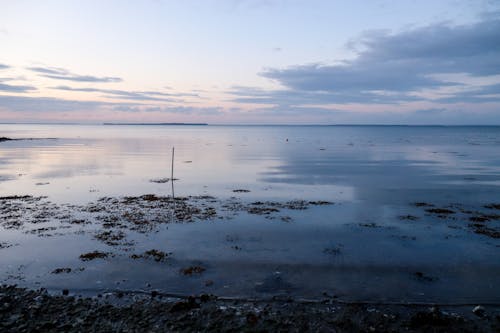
172 182
172 173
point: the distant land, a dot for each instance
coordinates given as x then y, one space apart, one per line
162 124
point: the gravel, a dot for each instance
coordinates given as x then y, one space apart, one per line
23 310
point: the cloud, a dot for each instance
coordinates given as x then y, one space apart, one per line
489 93
2 66
45 104
50 105
14 88
63 74
11 88
123 94
292 97
392 68
404 61
132 95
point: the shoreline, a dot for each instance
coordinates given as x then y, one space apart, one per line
36 310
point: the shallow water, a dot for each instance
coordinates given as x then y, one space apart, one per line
357 249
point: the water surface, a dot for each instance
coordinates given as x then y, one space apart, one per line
357 248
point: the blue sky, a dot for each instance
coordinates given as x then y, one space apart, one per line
237 61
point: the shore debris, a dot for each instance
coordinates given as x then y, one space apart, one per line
94 255
192 270
157 255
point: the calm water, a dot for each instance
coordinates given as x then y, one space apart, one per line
373 175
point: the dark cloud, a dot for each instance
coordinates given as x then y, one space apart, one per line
132 95
404 61
430 116
290 97
14 88
63 74
391 68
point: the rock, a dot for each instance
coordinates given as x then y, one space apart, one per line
252 319
184 305
479 311
205 298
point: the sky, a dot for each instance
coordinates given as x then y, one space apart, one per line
251 61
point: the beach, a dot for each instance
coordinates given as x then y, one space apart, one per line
29 311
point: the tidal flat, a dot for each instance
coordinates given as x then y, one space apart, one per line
374 220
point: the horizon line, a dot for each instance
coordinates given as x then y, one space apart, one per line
241 124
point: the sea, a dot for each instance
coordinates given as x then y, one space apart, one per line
355 213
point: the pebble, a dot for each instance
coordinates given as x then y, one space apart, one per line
479 311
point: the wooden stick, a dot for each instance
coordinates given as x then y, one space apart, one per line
172 173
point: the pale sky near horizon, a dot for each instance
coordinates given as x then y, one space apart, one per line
244 61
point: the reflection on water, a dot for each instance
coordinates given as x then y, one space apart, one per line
334 163
358 248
